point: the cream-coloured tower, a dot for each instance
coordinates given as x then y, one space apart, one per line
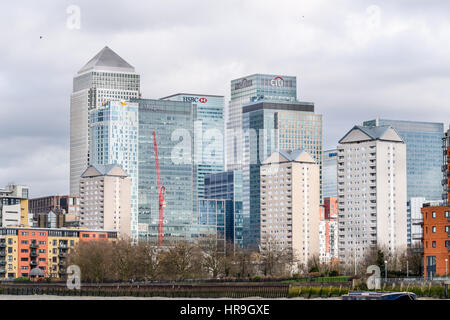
371 193
105 199
290 203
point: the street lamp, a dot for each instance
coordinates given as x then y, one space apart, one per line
407 269
385 270
446 260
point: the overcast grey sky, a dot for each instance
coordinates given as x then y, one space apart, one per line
355 60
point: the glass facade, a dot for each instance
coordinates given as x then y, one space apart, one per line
329 174
106 77
423 155
271 126
173 123
228 186
113 135
209 133
249 89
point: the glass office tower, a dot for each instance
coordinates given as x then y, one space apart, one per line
329 174
271 126
227 186
209 134
106 77
423 155
245 90
173 123
113 135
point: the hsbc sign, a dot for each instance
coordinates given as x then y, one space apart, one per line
195 99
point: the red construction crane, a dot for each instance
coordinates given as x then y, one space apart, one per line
161 193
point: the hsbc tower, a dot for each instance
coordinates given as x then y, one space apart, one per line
208 134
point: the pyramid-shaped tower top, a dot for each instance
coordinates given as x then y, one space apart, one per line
107 59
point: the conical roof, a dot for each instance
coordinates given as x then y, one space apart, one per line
107 59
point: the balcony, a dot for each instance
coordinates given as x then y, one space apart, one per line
2 253
2 262
2 270
62 271
62 263
33 263
63 246
34 254
34 245
417 236
62 255
417 221
2 245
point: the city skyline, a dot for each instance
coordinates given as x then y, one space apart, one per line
352 73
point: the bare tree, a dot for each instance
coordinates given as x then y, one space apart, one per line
94 259
181 261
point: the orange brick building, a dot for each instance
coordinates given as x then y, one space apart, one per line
23 249
436 240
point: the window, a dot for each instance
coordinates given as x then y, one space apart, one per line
447 214
447 228
433 229
433 214
433 244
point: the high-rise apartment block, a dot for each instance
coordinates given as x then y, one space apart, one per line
106 77
105 199
114 130
270 126
371 192
290 201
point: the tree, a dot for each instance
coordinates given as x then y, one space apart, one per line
94 259
181 261
214 259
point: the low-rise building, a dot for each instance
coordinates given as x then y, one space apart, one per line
436 239
23 249
14 206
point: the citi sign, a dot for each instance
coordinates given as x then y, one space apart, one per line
277 82
195 99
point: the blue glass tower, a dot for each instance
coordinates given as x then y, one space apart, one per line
329 174
113 133
423 155
209 134
173 123
227 186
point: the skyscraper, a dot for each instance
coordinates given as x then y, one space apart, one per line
329 173
106 77
173 124
270 126
245 90
208 134
423 155
371 192
114 130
